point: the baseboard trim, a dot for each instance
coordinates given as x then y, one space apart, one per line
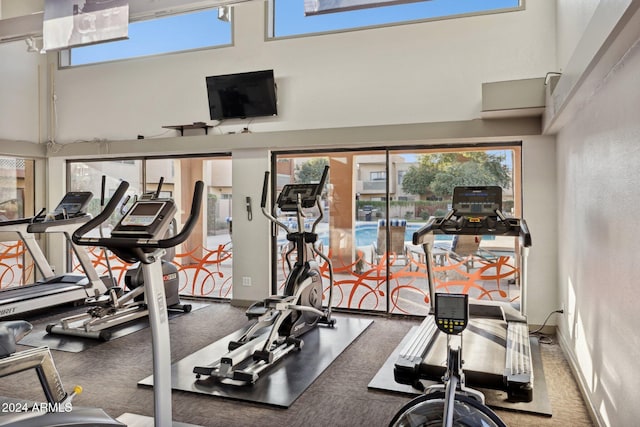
580 380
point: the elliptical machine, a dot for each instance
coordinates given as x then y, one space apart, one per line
116 307
139 237
286 316
451 403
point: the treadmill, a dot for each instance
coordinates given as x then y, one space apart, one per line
52 289
497 341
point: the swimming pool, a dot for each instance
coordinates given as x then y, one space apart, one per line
366 233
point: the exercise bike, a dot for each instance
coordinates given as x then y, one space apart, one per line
139 237
280 320
450 403
116 307
58 410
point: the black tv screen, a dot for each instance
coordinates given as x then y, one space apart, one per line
242 95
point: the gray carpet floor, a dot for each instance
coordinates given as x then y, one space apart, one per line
339 397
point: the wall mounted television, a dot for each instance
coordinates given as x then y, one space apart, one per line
242 95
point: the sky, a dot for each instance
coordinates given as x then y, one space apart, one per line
202 29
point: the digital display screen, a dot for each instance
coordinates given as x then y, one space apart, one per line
146 209
483 201
74 202
293 192
142 214
450 306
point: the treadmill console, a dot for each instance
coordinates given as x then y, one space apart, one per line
288 198
73 204
452 312
477 202
146 219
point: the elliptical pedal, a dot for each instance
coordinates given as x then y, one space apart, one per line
263 356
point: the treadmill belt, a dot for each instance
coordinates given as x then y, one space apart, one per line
22 293
540 405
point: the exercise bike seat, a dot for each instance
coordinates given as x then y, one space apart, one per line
11 332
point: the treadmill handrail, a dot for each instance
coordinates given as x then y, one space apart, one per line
42 227
444 225
525 235
418 236
125 242
27 220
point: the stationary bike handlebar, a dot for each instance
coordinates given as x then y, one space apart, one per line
126 242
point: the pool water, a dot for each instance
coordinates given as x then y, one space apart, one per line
366 234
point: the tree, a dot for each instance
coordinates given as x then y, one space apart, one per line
437 174
417 180
310 171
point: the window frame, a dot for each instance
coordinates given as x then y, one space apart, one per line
271 20
65 56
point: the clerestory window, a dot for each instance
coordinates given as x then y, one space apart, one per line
168 34
289 17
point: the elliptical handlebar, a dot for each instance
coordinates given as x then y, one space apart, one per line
265 189
323 180
263 204
125 242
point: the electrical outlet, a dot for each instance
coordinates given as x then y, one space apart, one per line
246 281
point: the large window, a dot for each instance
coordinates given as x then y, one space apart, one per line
175 33
204 261
16 201
289 18
370 217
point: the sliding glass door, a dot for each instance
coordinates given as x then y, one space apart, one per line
16 201
205 260
376 199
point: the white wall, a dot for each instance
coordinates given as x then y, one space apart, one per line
599 233
540 209
251 239
22 88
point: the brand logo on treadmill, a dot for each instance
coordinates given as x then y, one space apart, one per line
171 276
6 311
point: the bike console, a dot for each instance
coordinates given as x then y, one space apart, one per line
147 218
